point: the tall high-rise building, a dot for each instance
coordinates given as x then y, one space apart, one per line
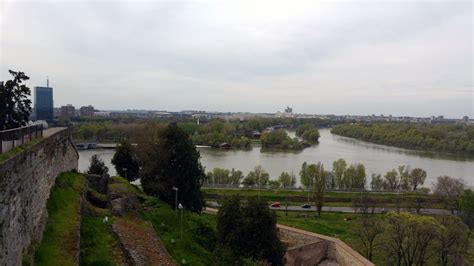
44 103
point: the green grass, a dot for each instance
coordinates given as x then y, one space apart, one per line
470 250
19 149
120 185
199 233
336 199
59 238
330 224
99 245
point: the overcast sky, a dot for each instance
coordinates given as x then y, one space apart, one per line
370 57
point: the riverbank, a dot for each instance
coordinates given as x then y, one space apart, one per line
451 139
405 200
376 159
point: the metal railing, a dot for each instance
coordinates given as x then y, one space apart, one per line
15 137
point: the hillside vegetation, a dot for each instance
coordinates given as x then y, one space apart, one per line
196 244
441 138
60 238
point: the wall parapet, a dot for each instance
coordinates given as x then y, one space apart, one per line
25 183
336 250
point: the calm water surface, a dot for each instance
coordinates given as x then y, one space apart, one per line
376 158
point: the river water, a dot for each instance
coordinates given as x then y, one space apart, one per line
376 158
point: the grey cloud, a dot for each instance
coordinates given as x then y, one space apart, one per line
310 56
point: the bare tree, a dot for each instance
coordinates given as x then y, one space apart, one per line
449 189
368 230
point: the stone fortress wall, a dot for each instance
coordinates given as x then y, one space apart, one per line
25 183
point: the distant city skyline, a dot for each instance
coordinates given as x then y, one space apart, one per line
360 58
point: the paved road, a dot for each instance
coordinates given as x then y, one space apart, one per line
347 209
52 130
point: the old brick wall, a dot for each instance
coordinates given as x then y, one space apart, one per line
25 184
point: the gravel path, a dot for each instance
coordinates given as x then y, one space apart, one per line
140 241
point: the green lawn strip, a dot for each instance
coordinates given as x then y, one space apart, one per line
99 245
58 246
199 232
342 199
9 154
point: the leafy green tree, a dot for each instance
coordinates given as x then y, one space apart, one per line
279 139
260 221
330 181
230 243
15 107
391 179
417 178
303 128
172 161
453 241
261 176
339 168
249 180
236 176
274 184
305 179
377 182
286 180
237 226
125 161
318 176
404 173
97 166
360 178
467 207
410 239
258 177
220 176
445 138
311 135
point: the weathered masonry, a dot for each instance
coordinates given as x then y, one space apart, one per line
25 183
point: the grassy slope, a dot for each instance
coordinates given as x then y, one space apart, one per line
99 245
198 233
470 251
58 244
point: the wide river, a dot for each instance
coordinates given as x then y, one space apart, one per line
376 158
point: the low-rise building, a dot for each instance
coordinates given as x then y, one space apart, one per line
87 110
67 111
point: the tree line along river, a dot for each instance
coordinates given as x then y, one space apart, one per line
376 159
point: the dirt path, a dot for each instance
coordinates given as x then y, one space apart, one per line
140 241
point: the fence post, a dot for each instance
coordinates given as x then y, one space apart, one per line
13 139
